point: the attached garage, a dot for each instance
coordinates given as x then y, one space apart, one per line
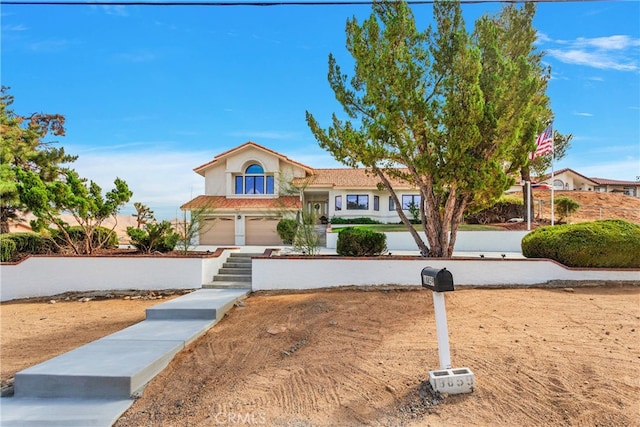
220 230
262 230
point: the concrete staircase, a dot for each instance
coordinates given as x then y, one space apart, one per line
235 273
321 231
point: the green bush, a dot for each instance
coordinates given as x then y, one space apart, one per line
287 230
361 220
504 209
154 237
31 243
358 242
565 207
606 244
7 248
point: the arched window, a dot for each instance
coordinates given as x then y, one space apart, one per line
254 181
558 184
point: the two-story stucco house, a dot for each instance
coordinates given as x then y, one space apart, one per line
248 190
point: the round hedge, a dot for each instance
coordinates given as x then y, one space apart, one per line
359 242
607 244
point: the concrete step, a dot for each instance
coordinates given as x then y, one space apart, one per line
240 260
236 265
107 368
64 412
232 278
227 285
241 257
119 365
235 270
203 304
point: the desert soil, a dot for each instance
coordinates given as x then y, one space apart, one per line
352 357
593 205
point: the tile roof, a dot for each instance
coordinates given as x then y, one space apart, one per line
598 181
604 181
200 169
227 203
561 171
344 178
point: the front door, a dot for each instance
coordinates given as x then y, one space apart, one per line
319 209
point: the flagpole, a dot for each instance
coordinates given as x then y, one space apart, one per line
528 187
553 155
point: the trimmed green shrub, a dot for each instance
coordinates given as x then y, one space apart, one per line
358 242
287 230
361 220
610 243
31 243
7 248
154 237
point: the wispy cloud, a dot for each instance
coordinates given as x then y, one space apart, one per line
583 114
160 179
616 52
619 42
115 10
14 28
83 150
49 46
609 149
624 170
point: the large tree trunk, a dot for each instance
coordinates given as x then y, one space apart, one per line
424 250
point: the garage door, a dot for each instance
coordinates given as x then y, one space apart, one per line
217 231
262 230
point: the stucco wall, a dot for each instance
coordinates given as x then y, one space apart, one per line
312 273
214 181
42 276
466 241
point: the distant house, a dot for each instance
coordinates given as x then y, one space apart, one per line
19 227
248 190
568 179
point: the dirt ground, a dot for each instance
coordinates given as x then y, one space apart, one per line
353 357
593 205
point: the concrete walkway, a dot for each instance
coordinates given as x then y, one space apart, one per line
94 384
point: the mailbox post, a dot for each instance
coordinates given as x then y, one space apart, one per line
445 380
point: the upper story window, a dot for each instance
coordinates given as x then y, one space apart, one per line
254 181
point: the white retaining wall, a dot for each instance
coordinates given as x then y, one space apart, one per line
466 241
312 273
42 276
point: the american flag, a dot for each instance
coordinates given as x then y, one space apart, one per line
544 143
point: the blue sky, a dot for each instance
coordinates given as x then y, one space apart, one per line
149 93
